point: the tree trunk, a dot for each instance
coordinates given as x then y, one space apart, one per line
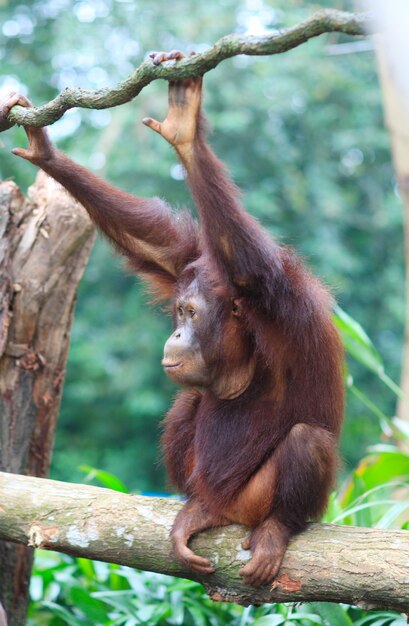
396 108
361 566
44 246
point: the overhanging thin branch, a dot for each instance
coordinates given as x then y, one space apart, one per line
323 21
361 566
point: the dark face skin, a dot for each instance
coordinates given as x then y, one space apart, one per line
208 347
183 359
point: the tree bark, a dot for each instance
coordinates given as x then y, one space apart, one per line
44 246
396 108
361 566
323 21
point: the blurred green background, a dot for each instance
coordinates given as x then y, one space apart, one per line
304 137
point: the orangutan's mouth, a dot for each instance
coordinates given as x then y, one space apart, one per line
171 366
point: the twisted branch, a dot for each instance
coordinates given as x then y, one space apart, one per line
323 21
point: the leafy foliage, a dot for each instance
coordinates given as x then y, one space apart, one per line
78 592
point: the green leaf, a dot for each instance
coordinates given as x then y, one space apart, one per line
368 403
197 616
64 614
106 478
331 614
356 340
178 609
392 515
361 348
92 608
361 507
270 620
121 600
379 469
310 618
376 470
380 618
333 509
354 490
87 568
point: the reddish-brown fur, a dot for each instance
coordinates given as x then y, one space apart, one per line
267 457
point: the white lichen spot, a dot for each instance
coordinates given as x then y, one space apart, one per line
129 539
82 538
92 532
77 537
152 516
34 499
218 540
242 555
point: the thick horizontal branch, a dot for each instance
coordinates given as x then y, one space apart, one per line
324 21
361 566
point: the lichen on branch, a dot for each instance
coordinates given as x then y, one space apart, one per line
323 21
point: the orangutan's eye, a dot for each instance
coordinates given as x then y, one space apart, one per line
192 313
180 311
